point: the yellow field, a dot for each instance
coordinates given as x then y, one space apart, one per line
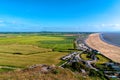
27 60
22 49
84 56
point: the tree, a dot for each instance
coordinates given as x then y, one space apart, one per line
74 44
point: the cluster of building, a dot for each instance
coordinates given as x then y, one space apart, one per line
83 47
114 72
115 67
69 56
80 44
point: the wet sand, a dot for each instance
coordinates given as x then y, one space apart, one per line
108 50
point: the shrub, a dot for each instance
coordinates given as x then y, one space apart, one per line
56 71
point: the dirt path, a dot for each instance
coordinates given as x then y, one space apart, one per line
110 51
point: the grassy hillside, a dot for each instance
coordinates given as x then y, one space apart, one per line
40 73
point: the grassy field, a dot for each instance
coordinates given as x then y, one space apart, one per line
21 50
58 42
101 59
84 56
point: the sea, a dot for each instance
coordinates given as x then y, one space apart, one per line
111 38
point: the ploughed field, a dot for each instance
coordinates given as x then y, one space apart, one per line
22 50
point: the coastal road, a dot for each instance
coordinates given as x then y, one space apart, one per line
88 62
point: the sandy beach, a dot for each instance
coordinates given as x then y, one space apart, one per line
110 51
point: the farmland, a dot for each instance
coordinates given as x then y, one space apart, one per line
21 50
21 53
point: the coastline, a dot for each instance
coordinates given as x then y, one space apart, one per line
101 37
111 51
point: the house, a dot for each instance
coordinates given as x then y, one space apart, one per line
115 67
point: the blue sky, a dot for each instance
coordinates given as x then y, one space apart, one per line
59 15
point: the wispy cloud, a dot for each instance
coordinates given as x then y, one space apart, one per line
108 27
17 25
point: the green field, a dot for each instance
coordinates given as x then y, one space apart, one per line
21 50
84 56
101 59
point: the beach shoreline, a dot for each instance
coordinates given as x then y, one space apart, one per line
111 43
111 51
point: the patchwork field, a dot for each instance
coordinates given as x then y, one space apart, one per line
21 50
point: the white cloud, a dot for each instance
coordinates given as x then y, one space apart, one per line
2 23
108 27
103 25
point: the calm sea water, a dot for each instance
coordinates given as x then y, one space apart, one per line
111 38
